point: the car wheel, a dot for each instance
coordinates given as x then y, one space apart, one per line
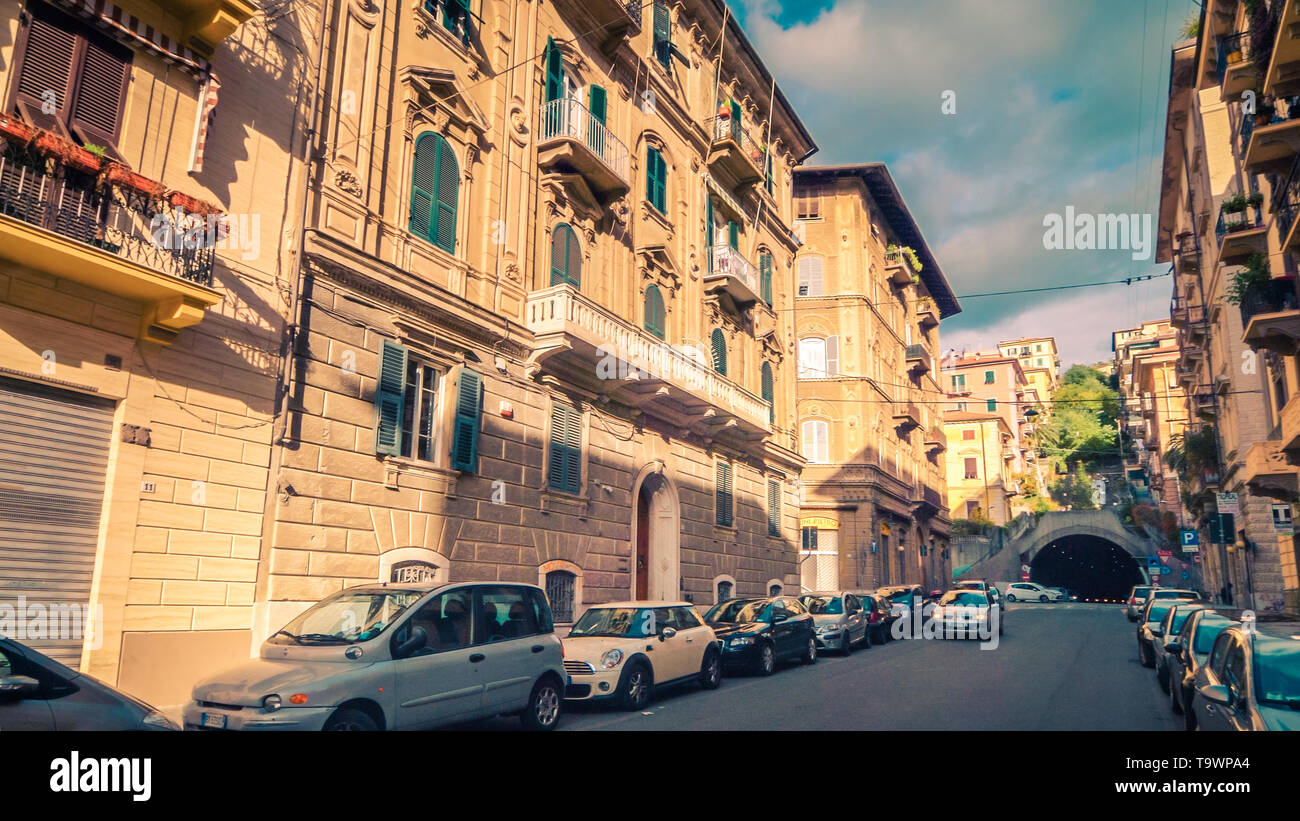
766 664
1142 656
1011 597
543 710
1042 600
810 652
711 672
350 719
866 638
1189 715
637 686
1173 699
846 643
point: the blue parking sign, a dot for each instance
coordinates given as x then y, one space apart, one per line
1190 537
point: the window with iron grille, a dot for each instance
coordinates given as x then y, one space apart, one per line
560 587
724 590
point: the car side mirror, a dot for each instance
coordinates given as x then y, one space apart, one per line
17 688
666 633
418 640
779 617
1174 647
1157 631
1216 693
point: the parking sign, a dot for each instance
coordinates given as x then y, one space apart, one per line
1190 540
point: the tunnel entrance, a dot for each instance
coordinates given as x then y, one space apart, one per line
1090 566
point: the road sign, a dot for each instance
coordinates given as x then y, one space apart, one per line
1227 503
1024 568
1165 554
1024 577
1190 540
1164 570
1186 575
1153 562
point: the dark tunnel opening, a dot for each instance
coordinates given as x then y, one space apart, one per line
1092 567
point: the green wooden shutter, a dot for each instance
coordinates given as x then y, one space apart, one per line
773 507
597 104
597 138
390 398
566 256
765 277
564 462
735 121
719 351
733 235
724 495
663 35
465 428
424 185
656 174
448 197
655 315
767 164
554 71
769 390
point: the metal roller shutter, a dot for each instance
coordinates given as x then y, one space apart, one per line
53 460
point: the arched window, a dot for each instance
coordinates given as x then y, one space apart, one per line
724 591
774 588
765 277
566 256
435 191
559 590
769 390
719 351
655 316
815 440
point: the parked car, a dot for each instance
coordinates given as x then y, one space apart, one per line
1172 593
1029 591
757 634
967 613
839 619
1170 626
39 693
1252 679
980 584
1149 630
1062 593
901 597
396 657
1188 652
1137 597
880 615
627 650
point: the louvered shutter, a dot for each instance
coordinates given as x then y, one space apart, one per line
596 135
654 312
390 398
561 239
733 235
724 495
765 277
810 276
719 351
663 35
448 196
101 85
598 103
48 60
655 174
465 427
735 121
769 390
708 230
832 356
564 464
424 185
773 507
554 71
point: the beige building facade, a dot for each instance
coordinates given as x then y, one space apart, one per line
979 466
873 504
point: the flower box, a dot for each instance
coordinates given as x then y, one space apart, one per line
121 175
66 152
15 130
190 205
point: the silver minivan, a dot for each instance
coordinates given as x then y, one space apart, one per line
396 657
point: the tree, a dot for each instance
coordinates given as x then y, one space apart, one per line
1082 428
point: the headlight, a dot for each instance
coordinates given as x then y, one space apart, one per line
162 722
741 641
611 659
271 703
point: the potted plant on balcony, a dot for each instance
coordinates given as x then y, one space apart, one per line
1255 199
1235 204
65 152
120 175
1264 113
1252 279
190 205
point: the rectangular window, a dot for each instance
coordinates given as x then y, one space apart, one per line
656 180
968 433
971 509
810 276
808 206
420 412
773 507
991 405
990 377
961 406
959 382
972 468
1038 348
663 35
564 467
723 512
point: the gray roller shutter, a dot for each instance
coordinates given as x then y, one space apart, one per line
53 460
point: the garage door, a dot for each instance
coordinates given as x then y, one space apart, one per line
53 458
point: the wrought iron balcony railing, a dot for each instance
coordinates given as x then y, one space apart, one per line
1233 221
570 118
113 218
1232 49
1278 294
727 261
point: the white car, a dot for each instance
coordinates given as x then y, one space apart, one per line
624 650
1028 591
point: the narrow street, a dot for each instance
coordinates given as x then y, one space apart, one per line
1058 667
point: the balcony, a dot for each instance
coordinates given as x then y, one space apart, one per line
918 360
574 142
1272 146
1270 317
1290 426
907 416
926 314
898 267
731 272
1284 64
935 441
926 501
1236 69
1203 405
732 154
109 236
1189 261
611 19
1268 473
211 21
1240 235
590 344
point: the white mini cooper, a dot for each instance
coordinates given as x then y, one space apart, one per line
624 650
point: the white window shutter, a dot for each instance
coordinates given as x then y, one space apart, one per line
832 356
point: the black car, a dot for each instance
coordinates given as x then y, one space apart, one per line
880 617
755 634
1148 629
1189 650
38 693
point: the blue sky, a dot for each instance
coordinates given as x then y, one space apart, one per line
1058 104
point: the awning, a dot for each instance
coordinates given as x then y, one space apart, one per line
132 31
727 199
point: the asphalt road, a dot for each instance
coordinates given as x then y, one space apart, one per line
1058 667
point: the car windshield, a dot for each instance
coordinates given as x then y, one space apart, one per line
1180 616
1207 630
738 611
1277 672
823 605
964 598
612 621
1173 594
1157 613
901 595
970 585
347 617
1141 592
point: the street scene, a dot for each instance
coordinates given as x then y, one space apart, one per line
607 365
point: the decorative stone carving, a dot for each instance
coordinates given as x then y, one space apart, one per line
347 182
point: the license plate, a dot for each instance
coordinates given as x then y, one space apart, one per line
217 722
